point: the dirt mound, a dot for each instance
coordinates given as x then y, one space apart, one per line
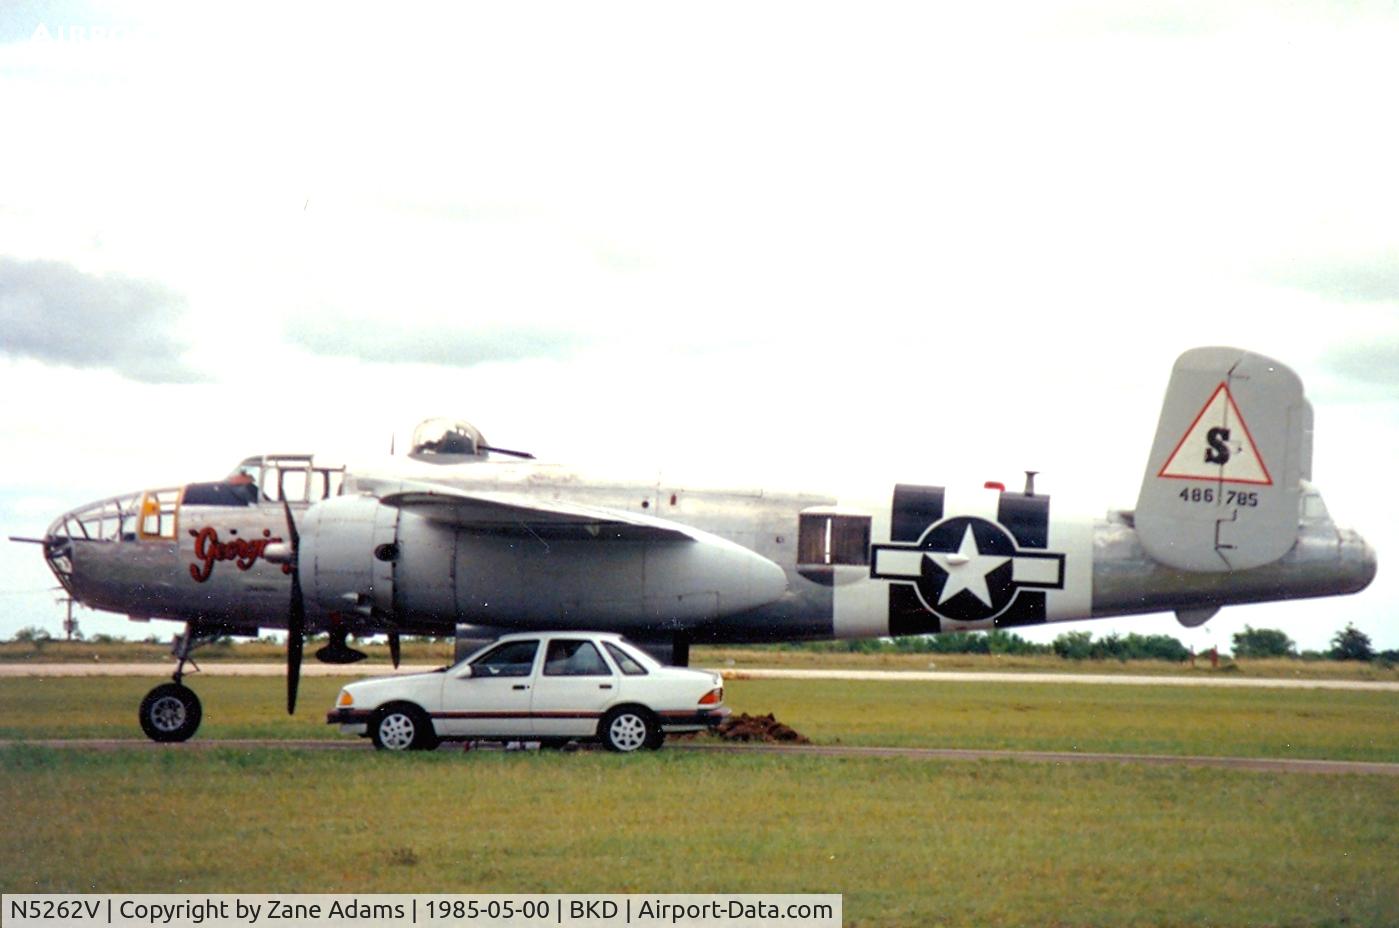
745 727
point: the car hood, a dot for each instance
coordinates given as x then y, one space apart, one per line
396 682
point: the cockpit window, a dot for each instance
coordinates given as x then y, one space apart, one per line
293 478
107 520
247 480
224 493
158 514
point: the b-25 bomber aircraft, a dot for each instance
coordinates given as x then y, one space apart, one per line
468 539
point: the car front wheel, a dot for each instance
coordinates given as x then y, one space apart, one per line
403 728
630 729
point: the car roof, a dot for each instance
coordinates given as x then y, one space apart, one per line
605 636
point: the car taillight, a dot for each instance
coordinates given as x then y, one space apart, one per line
713 697
345 699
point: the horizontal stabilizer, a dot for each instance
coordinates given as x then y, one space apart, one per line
508 513
1223 484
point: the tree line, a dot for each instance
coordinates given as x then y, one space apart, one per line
1348 644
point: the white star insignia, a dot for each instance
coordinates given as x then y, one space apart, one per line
966 569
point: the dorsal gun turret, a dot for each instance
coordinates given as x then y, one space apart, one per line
447 441
453 441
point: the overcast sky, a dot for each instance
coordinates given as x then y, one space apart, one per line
760 243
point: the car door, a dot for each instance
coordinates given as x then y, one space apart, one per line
494 699
572 689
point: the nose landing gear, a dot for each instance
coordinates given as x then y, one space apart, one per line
171 712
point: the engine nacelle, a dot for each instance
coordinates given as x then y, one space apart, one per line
348 548
359 554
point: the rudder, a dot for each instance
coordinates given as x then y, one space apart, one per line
1223 484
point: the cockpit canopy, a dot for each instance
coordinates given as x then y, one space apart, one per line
272 478
447 441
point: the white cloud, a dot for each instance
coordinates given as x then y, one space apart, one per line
727 230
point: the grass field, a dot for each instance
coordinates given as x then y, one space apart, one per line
908 842
1341 725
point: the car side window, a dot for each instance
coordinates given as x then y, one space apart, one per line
630 666
571 658
514 659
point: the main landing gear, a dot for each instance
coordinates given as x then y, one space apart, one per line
171 711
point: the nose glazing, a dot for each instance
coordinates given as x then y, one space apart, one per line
105 521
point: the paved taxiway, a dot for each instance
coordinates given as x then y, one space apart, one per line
730 673
1266 764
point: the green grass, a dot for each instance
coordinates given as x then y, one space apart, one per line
105 707
1058 717
1341 725
907 842
796 659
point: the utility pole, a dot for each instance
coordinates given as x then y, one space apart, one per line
70 624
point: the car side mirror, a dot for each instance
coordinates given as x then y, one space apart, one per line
464 672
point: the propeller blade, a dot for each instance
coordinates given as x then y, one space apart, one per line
291 530
394 647
296 639
296 615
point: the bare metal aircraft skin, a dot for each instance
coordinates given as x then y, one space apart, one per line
469 539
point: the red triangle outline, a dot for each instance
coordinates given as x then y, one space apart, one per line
1229 397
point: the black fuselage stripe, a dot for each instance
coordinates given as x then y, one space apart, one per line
1025 517
914 509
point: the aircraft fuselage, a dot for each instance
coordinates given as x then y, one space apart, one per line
763 566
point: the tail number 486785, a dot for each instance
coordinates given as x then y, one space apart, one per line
1210 495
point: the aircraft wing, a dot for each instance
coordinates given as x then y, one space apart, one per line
495 513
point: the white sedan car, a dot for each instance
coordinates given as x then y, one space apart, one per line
549 687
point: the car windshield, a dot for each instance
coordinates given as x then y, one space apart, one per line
513 659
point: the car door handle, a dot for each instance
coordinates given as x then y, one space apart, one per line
604 686
520 686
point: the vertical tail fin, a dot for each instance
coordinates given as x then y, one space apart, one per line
1223 483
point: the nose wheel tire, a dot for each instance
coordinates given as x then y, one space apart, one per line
403 728
626 730
170 712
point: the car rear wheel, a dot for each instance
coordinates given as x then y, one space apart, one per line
403 728
629 729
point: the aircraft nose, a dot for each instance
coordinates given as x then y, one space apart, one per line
58 551
75 533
